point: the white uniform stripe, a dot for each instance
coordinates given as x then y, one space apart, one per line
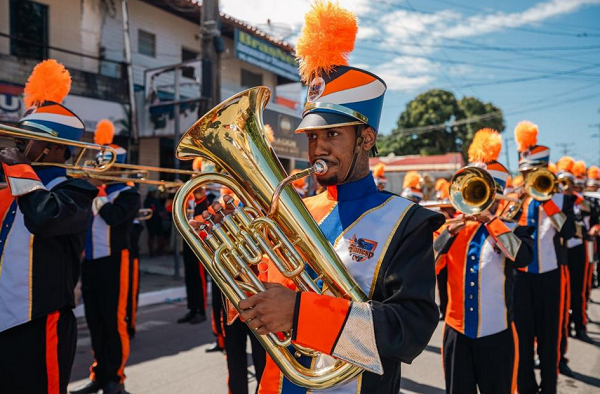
546 231
366 92
492 305
71 121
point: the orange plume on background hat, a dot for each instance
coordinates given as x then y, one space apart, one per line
379 170
269 133
105 132
517 181
526 134
565 163
579 169
593 173
552 168
486 146
326 40
49 81
509 182
440 183
197 164
444 192
411 179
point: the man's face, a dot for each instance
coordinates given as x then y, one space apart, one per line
199 193
55 154
335 146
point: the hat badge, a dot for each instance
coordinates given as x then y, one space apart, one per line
315 89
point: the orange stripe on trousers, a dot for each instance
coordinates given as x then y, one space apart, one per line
584 289
134 291
561 316
122 312
52 370
516 362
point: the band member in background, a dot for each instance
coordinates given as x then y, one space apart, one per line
537 294
45 215
300 184
573 175
385 241
134 276
105 277
592 185
195 277
480 346
379 175
411 187
442 195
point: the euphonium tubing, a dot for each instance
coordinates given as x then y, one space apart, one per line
232 135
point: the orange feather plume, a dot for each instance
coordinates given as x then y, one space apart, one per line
445 191
326 40
440 183
486 146
411 179
526 134
552 168
197 164
565 163
105 132
49 81
379 170
518 181
593 172
509 183
578 169
269 133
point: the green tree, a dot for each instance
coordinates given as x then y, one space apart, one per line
418 130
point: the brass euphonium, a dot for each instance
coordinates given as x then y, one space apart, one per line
540 184
273 221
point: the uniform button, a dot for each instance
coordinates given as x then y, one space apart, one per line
471 309
471 297
472 284
471 270
472 257
13 212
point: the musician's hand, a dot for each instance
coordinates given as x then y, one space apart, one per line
12 156
455 227
485 216
594 231
212 213
271 310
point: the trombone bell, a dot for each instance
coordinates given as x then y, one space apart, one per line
472 190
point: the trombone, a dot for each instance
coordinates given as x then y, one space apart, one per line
472 191
144 214
540 184
78 163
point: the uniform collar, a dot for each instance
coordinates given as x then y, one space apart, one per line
113 187
48 173
353 190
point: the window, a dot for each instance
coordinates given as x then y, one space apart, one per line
187 54
29 25
146 43
250 79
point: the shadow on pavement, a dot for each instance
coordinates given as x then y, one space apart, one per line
411 385
592 381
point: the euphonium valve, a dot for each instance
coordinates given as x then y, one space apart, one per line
271 221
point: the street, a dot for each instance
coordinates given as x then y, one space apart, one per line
170 358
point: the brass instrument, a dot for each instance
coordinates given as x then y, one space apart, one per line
540 184
144 214
78 163
232 136
120 172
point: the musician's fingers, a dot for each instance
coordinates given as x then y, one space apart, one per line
249 302
263 331
249 314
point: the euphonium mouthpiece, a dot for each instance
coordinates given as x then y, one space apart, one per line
320 167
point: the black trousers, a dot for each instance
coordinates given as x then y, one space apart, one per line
195 281
537 300
36 357
237 360
105 287
578 269
488 363
218 318
442 284
565 306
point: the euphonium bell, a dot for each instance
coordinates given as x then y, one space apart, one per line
540 184
272 222
472 190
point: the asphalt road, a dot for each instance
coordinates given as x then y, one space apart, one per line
170 358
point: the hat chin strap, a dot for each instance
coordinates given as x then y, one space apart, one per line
42 155
357 145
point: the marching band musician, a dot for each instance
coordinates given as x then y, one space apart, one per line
384 240
592 185
105 277
45 215
379 175
578 262
537 288
480 346
411 187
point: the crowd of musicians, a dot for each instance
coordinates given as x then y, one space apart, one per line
515 257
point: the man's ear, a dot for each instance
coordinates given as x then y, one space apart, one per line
369 138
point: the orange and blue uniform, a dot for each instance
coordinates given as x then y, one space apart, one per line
385 242
480 343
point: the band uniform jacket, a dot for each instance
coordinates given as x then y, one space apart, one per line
45 215
113 213
554 223
481 260
385 242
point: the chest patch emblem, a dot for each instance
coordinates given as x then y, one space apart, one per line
361 249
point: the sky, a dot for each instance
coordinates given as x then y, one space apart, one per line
536 60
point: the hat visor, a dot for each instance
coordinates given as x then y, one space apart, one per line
325 120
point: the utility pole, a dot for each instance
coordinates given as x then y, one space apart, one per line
596 125
210 27
566 147
507 142
133 121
